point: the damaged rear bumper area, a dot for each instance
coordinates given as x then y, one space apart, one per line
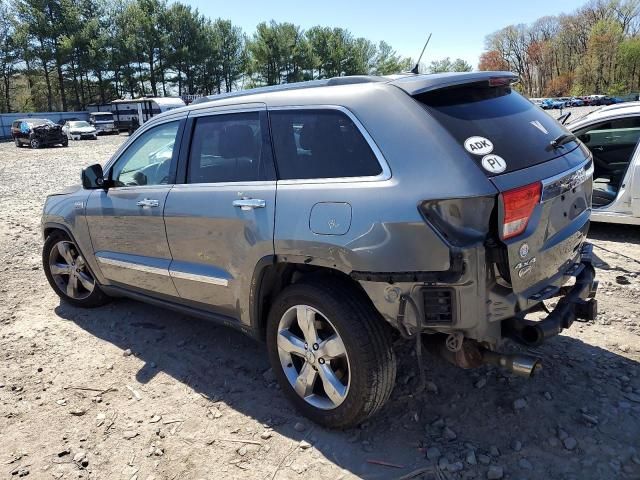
577 303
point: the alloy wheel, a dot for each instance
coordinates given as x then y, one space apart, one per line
69 271
313 357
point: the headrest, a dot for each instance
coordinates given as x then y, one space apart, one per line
237 141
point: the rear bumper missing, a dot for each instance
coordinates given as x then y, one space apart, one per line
578 303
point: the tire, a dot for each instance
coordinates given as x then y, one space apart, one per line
18 144
366 341
54 263
65 142
34 143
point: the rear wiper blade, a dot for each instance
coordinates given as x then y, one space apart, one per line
562 139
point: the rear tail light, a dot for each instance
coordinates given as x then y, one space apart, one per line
518 206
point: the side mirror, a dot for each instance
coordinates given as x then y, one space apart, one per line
93 177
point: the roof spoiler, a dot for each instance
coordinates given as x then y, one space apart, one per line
417 84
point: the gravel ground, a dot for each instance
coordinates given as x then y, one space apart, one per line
129 391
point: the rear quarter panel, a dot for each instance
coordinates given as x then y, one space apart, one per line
387 232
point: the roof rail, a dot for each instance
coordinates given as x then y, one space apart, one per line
327 82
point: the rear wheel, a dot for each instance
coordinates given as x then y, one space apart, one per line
331 353
18 144
68 273
34 143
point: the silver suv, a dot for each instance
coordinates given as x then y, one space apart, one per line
332 217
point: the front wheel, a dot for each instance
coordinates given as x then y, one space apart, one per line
65 142
34 143
68 273
331 352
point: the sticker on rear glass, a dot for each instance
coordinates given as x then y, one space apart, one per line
494 163
478 145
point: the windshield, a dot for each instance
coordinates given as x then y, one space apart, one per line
103 117
79 124
511 126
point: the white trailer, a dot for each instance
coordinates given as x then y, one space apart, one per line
130 114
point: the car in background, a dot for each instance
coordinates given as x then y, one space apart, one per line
612 135
538 102
552 103
576 102
103 122
600 100
79 130
37 132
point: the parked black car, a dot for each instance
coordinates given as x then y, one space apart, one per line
37 132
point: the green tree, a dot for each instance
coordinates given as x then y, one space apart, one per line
9 55
629 62
231 47
388 62
279 53
446 65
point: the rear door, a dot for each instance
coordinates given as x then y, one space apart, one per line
219 220
125 222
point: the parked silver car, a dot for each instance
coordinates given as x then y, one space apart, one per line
331 217
612 134
79 130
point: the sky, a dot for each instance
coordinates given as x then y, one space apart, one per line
458 26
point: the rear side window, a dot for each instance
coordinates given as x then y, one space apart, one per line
226 148
520 132
320 144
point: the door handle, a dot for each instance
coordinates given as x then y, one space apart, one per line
148 202
249 203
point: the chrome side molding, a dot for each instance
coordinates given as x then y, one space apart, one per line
195 277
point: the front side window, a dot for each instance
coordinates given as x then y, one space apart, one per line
320 144
226 148
147 161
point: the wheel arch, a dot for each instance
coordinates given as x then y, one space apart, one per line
272 276
50 227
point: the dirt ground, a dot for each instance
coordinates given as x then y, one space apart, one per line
130 391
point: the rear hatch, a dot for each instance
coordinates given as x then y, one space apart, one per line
542 173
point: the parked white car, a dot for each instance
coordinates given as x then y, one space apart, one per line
79 130
612 134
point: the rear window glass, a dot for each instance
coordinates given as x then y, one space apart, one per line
519 131
320 144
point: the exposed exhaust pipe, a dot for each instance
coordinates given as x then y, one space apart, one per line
472 356
521 365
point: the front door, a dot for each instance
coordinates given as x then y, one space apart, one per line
125 221
614 145
220 221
